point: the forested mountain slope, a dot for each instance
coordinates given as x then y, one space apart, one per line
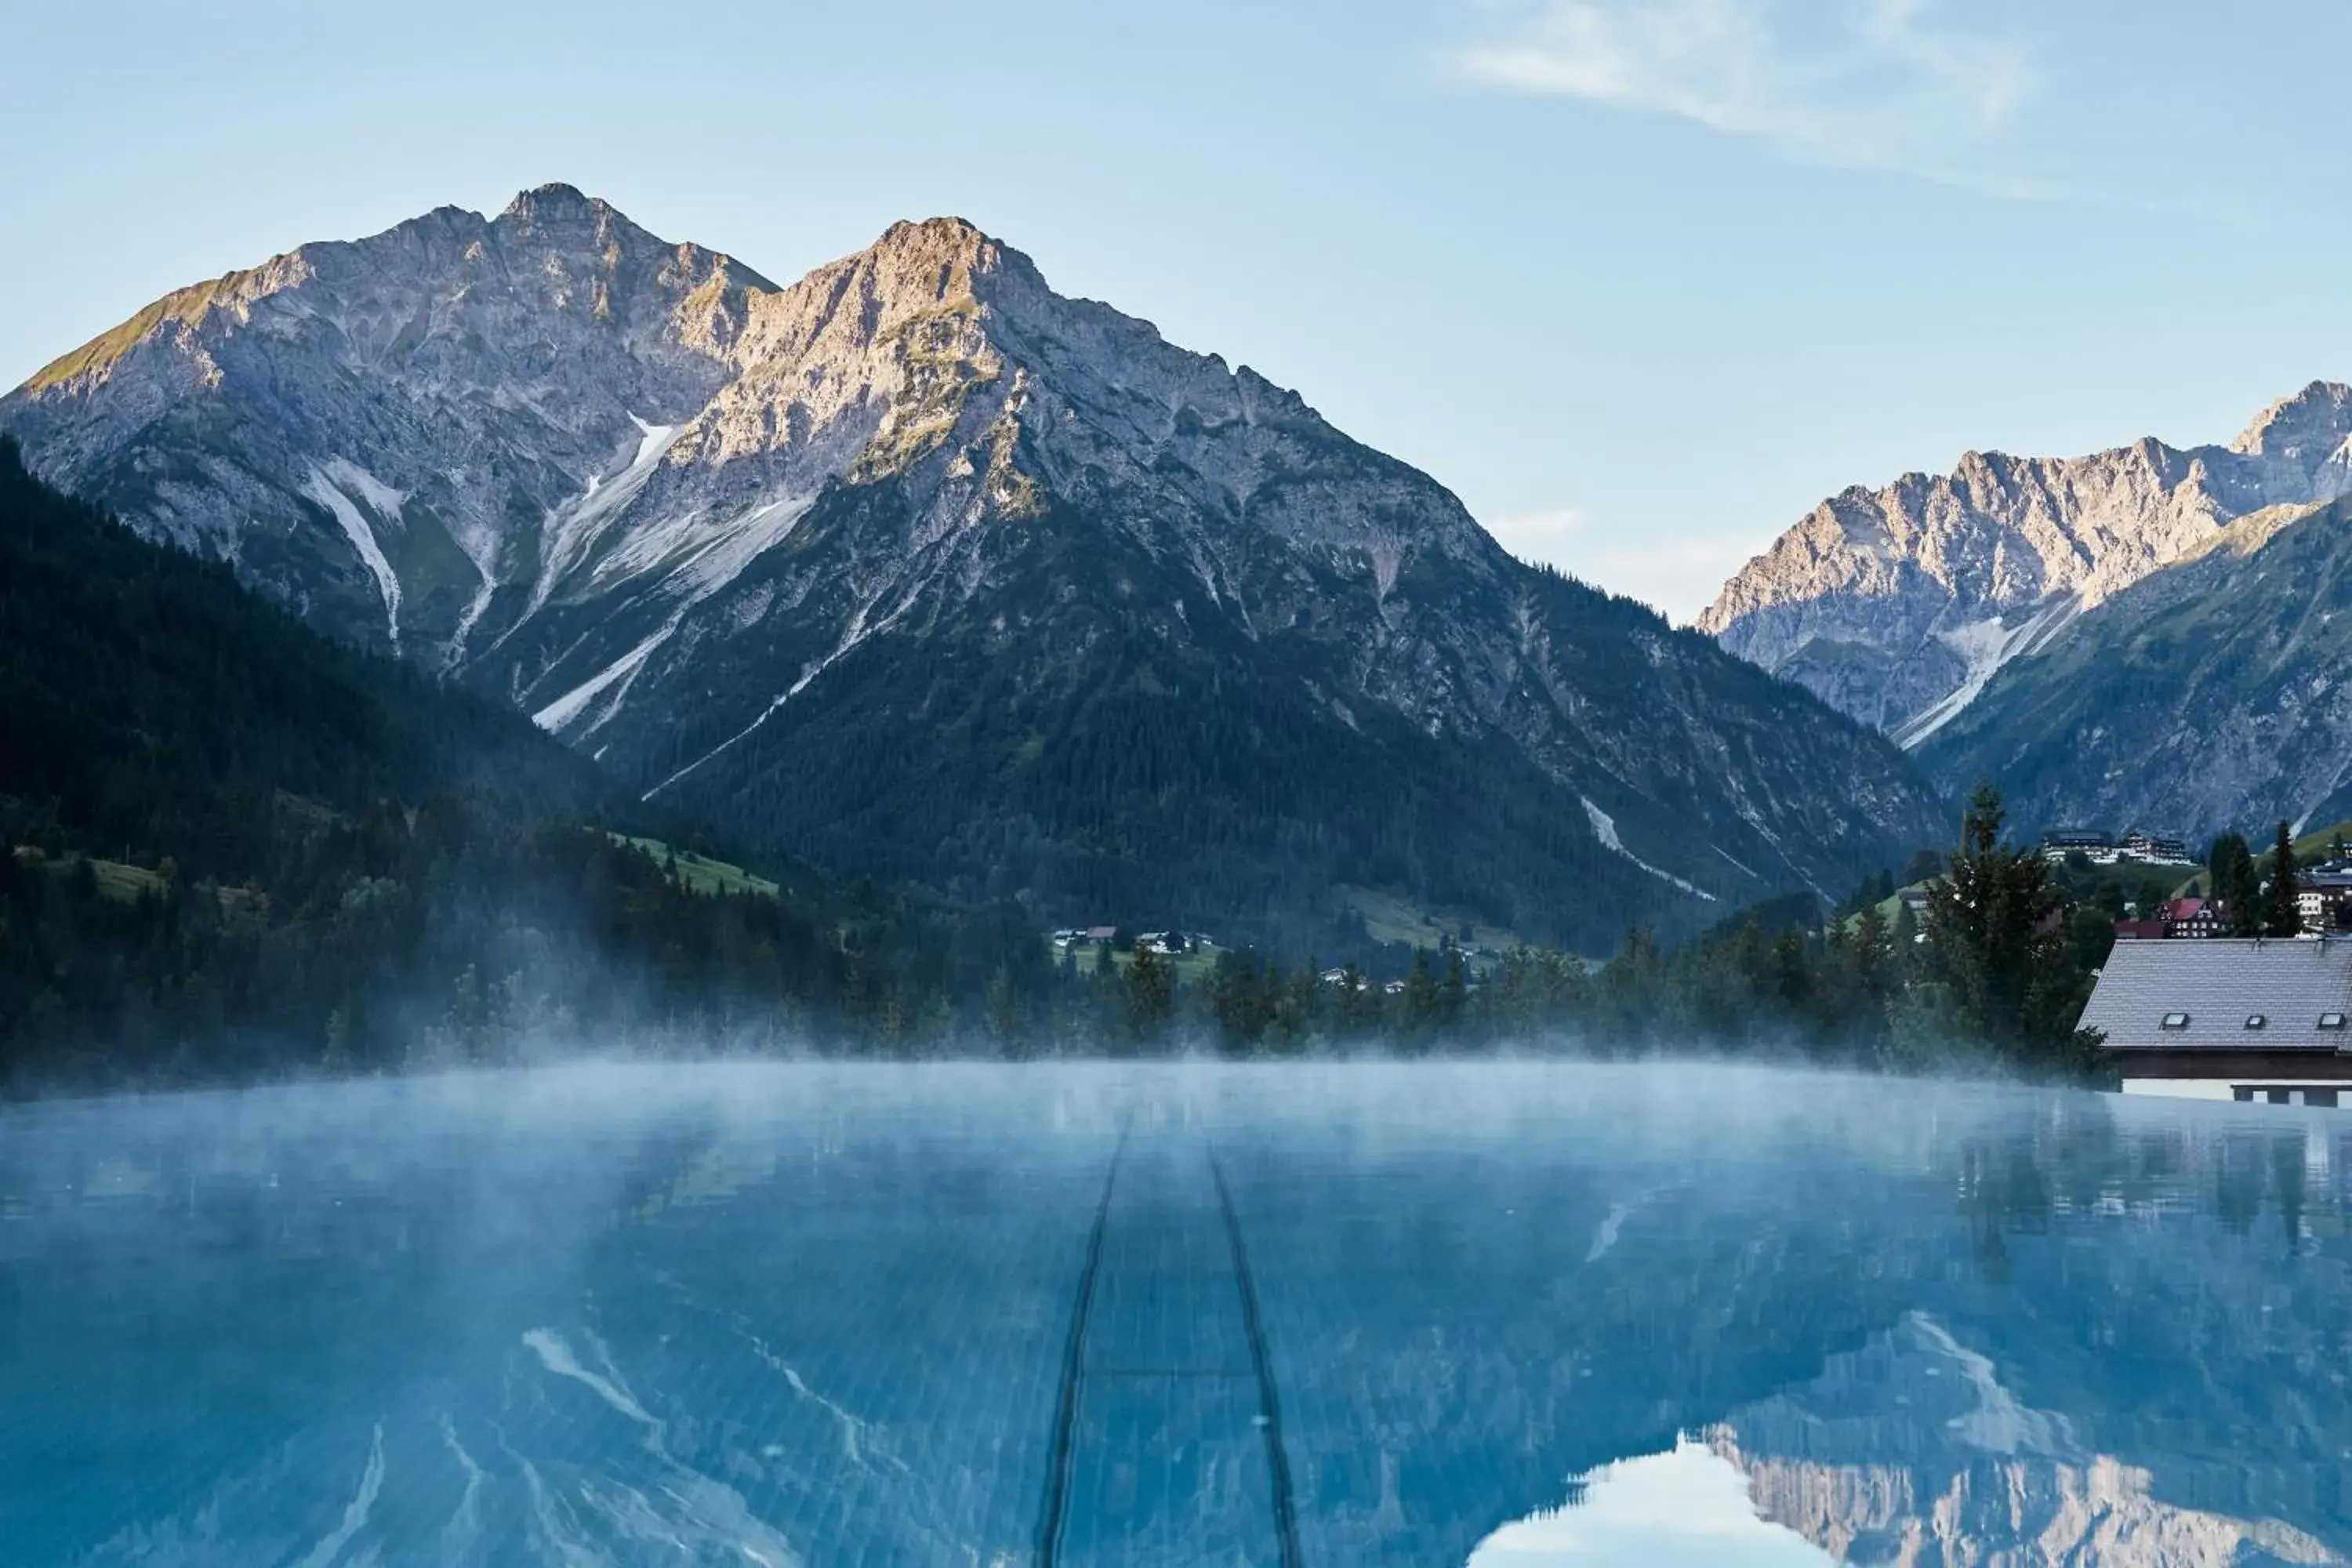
230 845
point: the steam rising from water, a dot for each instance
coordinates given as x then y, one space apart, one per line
1364 1313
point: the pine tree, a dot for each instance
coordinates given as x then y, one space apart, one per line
1420 1001
1903 942
1360 1002
2230 869
1867 946
2281 915
1006 1018
1150 991
1996 939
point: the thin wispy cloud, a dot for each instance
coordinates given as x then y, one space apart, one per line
1888 84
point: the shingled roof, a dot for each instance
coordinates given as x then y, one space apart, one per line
2215 986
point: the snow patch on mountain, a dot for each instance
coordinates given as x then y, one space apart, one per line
703 560
703 554
380 498
1604 827
1986 645
571 533
467 619
357 529
559 715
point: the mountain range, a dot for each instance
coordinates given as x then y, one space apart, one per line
919 570
2139 636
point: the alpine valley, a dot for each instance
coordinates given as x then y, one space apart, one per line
2141 637
918 571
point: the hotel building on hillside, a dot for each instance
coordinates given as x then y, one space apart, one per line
2230 1018
2104 849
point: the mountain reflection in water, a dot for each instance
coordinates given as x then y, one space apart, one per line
1908 1452
1332 1315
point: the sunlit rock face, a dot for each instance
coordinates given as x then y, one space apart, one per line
1033 582
1899 604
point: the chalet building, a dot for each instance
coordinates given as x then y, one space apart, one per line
2230 1018
2323 899
2193 917
2176 918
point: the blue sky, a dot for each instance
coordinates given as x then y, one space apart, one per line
1641 280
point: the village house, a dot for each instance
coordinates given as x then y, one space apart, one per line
2228 1019
2194 918
2323 899
2175 918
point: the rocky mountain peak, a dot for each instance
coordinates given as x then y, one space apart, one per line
553 202
1899 604
943 267
946 236
2308 428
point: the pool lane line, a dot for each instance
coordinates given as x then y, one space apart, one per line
1285 1516
1063 1454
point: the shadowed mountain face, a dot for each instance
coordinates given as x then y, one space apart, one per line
917 568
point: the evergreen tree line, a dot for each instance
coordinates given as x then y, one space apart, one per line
231 848
428 940
1993 974
430 936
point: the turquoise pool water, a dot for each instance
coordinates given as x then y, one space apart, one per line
1508 1314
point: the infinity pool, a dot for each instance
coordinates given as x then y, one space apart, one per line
1502 1314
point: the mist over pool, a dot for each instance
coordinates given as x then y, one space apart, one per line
1411 1313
